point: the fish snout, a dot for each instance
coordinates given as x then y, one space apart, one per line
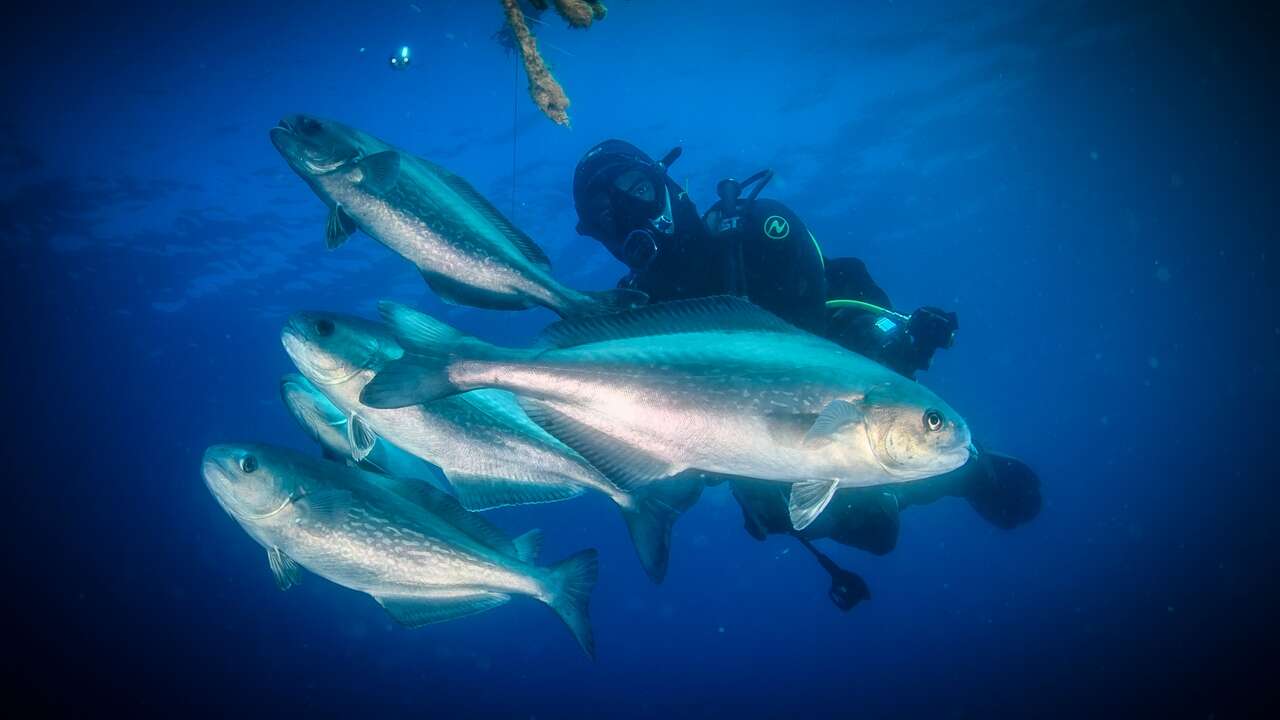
215 467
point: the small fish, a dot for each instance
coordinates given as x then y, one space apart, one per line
414 549
327 425
491 453
465 249
715 385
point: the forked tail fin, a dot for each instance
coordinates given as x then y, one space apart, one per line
569 594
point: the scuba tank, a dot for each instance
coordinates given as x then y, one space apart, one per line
724 221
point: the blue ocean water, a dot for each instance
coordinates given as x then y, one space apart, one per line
1090 186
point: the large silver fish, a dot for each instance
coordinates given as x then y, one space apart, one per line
328 426
466 250
714 384
413 548
489 450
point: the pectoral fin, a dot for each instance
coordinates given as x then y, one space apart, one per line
809 499
338 227
361 437
327 506
834 417
287 572
380 171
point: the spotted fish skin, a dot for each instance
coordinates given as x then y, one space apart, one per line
465 249
413 548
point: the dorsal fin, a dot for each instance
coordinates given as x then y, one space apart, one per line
522 242
720 313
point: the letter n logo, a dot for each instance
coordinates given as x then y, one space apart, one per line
777 227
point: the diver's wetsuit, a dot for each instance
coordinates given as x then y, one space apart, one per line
780 267
760 249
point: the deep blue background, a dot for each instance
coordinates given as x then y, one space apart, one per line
1091 186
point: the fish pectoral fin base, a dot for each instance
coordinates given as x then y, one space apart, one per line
326 506
287 572
380 171
809 499
338 227
415 610
834 417
361 437
627 467
482 492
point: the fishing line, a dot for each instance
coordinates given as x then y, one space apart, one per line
515 97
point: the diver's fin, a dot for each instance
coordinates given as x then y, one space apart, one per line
720 313
809 499
626 466
326 506
654 511
1004 490
380 171
528 545
569 590
482 492
416 611
456 293
287 572
338 227
527 247
836 415
361 437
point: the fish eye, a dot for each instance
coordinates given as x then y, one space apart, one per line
248 464
324 328
932 420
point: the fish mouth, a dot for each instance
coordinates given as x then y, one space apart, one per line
301 351
282 137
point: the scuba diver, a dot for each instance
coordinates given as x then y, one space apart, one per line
760 249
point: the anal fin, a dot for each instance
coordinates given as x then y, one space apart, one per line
479 492
415 611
